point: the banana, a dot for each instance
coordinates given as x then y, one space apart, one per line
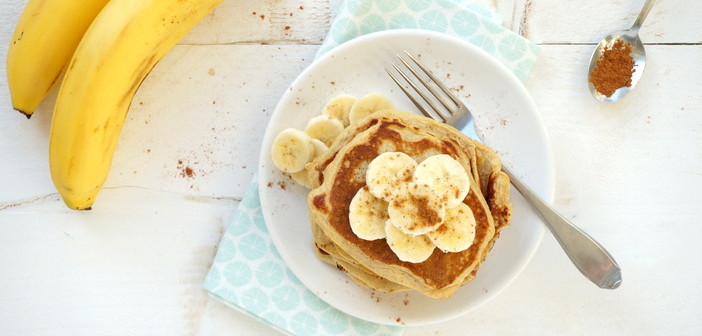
457 232
302 177
118 50
416 209
324 128
44 40
367 215
368 104
446 176
292 150
387 172
407 247
339 107
319 147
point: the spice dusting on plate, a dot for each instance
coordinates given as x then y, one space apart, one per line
613 70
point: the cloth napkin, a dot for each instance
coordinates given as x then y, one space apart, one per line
472 22
248 273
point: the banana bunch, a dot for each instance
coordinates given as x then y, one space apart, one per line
115 53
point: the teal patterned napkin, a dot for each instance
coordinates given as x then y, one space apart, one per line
248 274
472 22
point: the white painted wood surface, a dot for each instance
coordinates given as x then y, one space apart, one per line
628 173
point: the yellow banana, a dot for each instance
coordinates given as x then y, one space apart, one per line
44 40
119 49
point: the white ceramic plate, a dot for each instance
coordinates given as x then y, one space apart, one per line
512 127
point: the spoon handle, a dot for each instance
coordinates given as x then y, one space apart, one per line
642 16
591 259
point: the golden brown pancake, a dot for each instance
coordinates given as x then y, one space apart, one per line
340 173
327 251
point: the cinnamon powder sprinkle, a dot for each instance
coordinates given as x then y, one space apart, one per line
614 68
428 215
185 171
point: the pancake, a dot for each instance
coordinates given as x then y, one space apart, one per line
328 252
340 173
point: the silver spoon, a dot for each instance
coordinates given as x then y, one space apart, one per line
638 53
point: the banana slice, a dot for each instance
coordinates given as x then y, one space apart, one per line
457 232
367 215
448 178
302 178
291 150
387 172
368 104
319 147
409 248
339 107
324 128
416 209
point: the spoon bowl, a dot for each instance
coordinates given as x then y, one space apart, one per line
630 36
637 53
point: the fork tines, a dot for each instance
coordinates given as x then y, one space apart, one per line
428 92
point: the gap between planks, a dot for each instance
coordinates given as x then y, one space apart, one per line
311 43
595 43
259 42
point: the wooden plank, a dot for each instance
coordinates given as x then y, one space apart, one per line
568 22
202 107
267 21
134 265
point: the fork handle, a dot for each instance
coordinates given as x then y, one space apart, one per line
586 253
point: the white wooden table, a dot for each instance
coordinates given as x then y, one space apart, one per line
628 173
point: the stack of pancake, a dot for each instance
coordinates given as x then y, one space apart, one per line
337 175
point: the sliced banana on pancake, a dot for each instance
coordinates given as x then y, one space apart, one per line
416 209
446 176
387 172
407 247
339 107
291 150
457 232
367 215
368 104
324 128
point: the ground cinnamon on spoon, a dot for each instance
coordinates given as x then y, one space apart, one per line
614 69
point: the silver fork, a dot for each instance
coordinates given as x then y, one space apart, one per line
587 254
